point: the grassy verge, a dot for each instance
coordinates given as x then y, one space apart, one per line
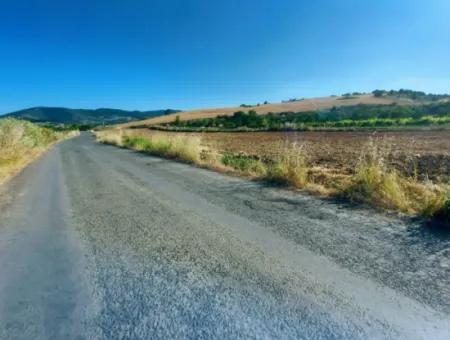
183 148
21 142
373 181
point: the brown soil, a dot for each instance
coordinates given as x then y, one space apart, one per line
426 153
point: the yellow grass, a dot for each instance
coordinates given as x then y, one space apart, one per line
21 142
182 148
290 167
377 184
113 137
373 182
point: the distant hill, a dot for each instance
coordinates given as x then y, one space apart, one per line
61 115
378 97
301 105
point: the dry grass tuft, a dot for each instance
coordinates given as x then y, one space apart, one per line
291 167
374 182
113 137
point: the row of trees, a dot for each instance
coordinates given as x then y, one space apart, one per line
410 94
361 112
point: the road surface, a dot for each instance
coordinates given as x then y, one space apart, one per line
98 242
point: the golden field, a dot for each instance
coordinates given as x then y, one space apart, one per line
311 104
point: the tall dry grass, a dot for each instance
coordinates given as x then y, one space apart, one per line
184 148
377 183
113 137
21 142
373 181
290 167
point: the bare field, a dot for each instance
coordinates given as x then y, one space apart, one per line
425 152
297 106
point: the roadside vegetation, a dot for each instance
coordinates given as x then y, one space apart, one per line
435 114
373 182
182 148
22 141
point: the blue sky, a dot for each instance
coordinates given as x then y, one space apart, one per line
139 54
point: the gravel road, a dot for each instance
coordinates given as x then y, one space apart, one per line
98 242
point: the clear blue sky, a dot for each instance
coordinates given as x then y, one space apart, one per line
145 54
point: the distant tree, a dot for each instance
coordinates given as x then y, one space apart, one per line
378 93
177 120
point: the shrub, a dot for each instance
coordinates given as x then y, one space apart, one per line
244 164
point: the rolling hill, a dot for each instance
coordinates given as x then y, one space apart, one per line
312 104
61 115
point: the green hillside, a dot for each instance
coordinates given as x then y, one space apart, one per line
60 115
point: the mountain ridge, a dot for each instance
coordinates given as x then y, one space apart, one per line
99 116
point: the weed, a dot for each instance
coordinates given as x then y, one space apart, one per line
290 167
375 183
245 164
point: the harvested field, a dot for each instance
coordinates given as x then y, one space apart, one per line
425 153
311 104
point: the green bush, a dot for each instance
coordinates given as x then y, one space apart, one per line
244 163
